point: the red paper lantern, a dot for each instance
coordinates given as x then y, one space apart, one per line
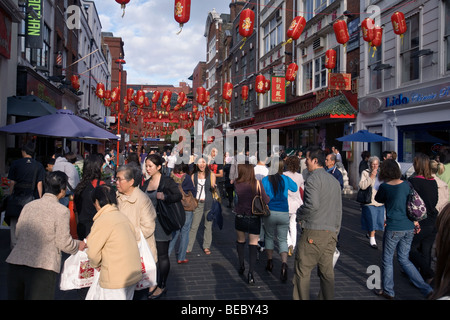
246 23
291 72
156 96
207 97
227 93
266 85
399 23
167 96
181 97
330 59
260 82
75 82
341 32
376 42
115 93
107 102
221 110
146 101
367 27
123 4
100 90
244 93
200 97
139 97
130 92
295 29
107 94
182 12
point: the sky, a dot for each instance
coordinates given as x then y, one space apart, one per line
154 53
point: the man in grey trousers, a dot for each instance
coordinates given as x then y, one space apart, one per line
320 217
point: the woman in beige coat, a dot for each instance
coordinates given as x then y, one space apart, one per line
372 215
112 246
135 204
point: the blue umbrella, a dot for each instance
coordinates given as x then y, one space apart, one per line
63 124
364 136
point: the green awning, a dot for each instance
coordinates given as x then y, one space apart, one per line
332 108
29 106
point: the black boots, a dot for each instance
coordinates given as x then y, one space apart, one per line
283 275
252 250
269 265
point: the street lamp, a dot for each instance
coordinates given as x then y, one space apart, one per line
120 62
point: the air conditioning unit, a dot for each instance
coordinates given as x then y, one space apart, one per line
318 43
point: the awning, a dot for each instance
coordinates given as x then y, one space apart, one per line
29 106
332 108
280 123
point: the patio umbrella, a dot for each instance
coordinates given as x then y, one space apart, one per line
63 124
364 136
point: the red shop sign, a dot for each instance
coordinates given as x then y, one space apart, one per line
278 90
340 81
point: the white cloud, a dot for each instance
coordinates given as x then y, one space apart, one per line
154 53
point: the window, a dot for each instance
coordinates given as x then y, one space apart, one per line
374 75
320 5
320 72
307 76
40 57
273 34
447 36
409 45
211 48
312 7
308 6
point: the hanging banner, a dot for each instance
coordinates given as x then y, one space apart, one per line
340 81
33 26
5 34
278 90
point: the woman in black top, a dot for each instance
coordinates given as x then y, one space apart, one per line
426 186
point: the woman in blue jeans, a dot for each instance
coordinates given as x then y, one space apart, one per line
399 230
276 187
181 177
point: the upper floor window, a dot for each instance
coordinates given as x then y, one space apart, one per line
409 45
312 7
447 36
374 74
273 34
211 48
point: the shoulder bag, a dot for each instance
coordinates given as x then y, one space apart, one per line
364 196
415 206
188 201
171 215
259 207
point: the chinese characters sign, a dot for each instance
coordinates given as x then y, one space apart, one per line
278 90
340 81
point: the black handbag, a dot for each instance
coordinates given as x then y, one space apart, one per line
364 196
171 215
259 207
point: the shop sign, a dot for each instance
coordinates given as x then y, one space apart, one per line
278 90
5 34
420 96
369 105
340 81
33 27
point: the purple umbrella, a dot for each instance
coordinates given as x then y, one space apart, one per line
63 124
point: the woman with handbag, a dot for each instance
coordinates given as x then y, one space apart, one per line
135 204
204 181
247 187
160 187
182 177
399 231
427 188
277 186
372 214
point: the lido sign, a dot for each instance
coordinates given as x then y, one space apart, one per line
420 96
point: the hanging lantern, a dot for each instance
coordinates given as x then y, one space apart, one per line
181 97
266 85
107 94
156 96
260 82
167 95
367 27
296 28
226 110
341 32
139 97
330 59
200 97
221 110
376 42
130 93
227 92
207 97
100 90
399 23
291 73
244 93
123 4
107 102
115 93
75 82
246 23
146 101
182 12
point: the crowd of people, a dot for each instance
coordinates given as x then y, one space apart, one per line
116 203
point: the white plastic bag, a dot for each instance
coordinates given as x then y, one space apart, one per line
77 272
148 265
95 291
